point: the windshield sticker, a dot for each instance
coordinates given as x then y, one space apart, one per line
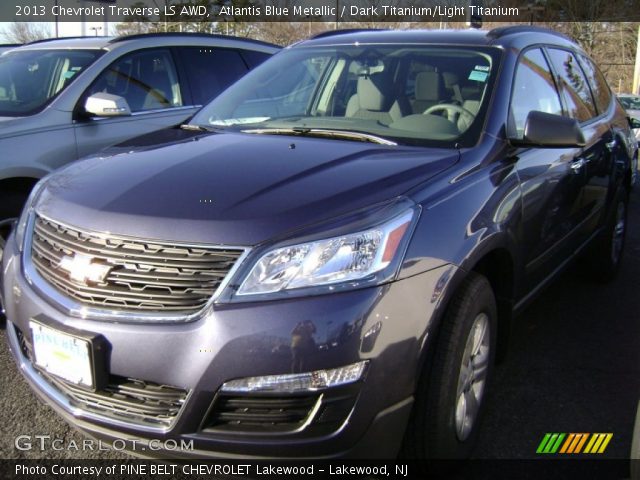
478 76
482 68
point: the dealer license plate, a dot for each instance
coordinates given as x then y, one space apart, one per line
63 355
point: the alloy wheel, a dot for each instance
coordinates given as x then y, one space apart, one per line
473 376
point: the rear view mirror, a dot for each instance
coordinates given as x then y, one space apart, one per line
106 105
552 131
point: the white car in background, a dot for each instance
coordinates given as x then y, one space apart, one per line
631 104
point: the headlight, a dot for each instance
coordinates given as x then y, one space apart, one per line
26 213
347 258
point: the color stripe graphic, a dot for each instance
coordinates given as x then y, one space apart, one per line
573 443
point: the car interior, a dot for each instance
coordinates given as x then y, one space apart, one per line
413 93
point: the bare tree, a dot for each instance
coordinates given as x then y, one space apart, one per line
25 32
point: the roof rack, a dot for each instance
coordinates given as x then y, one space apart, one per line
10 44
331 33
512 29
45 40
188 34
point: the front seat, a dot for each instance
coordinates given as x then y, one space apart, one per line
372 98
428 93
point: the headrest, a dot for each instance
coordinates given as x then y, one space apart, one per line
428 86
371 92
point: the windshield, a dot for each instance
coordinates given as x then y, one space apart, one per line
29 79
406 94
630 103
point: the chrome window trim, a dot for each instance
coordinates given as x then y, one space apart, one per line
56 396
76 309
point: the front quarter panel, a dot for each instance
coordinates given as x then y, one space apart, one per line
467 212
37 145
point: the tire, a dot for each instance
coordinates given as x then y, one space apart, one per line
606 254
441 427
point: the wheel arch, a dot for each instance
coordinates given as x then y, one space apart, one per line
496 261
21 183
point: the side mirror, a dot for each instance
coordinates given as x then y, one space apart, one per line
634 122
551 131
106 105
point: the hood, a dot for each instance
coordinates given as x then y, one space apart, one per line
231 188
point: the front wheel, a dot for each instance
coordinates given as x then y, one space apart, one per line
451 397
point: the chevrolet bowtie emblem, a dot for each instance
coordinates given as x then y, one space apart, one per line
82 269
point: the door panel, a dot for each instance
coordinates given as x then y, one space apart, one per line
597 157
551 199
580 104
551 188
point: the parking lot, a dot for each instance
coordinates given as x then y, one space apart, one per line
574 366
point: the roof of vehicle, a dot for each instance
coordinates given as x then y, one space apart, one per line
516 36
68 42
148 40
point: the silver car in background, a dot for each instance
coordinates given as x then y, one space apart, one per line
631 104
4 47
62 99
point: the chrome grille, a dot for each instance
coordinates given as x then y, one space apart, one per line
143 276
128 399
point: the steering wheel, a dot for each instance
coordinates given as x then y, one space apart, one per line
452 110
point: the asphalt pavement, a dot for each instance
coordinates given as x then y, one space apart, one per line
573 366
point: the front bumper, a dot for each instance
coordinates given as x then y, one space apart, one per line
386 325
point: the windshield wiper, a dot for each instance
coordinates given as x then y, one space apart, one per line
196 128
322 132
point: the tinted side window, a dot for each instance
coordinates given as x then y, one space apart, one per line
254 58
147 80
573 85
211 70
533 89
599 87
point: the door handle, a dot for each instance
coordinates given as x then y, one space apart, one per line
611 145
577 165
